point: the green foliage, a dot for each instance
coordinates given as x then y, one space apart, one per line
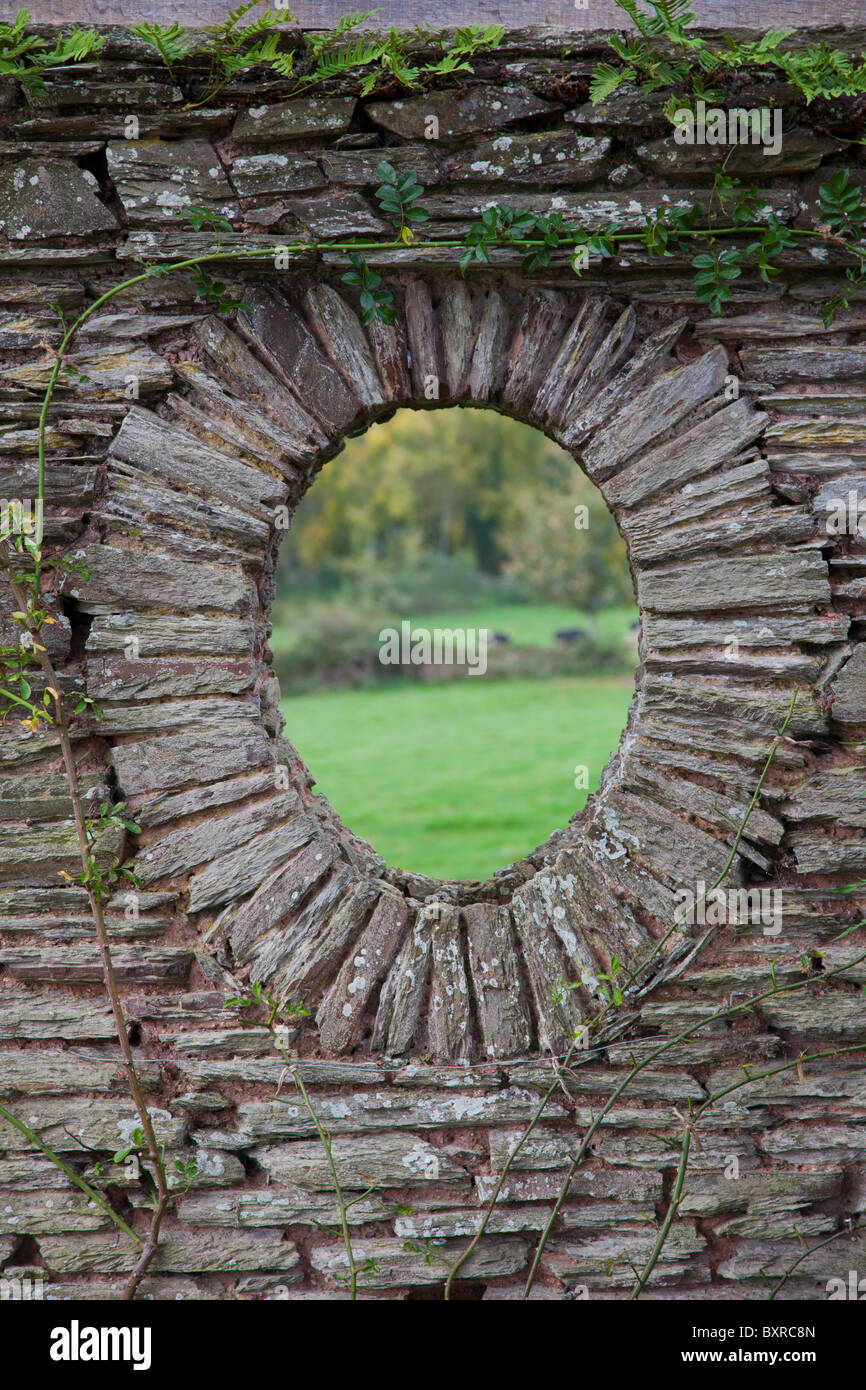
330 58
814 71
334 62
257 995
428 1250
327 38
610 993
186 1172
99 881
235 46
439 512
112 815
85 703
376 303
776 238
445 483
369 1267
613 995
537 233
667 18
715 272
68 567
843 211
398 195
661 57
667 55
135 1147
172 43
204 217
468 41
842 206
606 79
336 646
390 57
230 47
27 57
550 558
214 292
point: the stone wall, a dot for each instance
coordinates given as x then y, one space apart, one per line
719 445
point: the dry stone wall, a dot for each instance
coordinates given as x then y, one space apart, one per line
720 445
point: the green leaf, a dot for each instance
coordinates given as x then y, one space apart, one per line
172 44
606 79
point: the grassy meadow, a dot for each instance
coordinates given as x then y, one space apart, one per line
458 780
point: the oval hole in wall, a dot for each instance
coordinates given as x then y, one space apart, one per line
458 753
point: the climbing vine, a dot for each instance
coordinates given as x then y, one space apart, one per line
728 233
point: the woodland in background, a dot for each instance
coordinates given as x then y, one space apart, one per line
463 515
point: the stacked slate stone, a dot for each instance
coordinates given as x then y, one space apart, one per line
433 1005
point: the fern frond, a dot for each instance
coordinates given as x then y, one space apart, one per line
670 16
667 19
453 61
172 44
230 36
676 11
234 17
14 41
264 52
359 54
473 37
263 25
394 63
606 79
72 47
284 64
328 37
27 57
631 9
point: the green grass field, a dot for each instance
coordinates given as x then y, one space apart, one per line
457 780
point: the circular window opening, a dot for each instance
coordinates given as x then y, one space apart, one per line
455 636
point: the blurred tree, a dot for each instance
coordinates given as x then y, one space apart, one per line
493 495
569 549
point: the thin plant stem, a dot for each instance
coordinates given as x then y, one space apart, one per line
506 1169
325 1140
97 913
691 1124
641 1066
810 1250
657 948
71 1174
676 1198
